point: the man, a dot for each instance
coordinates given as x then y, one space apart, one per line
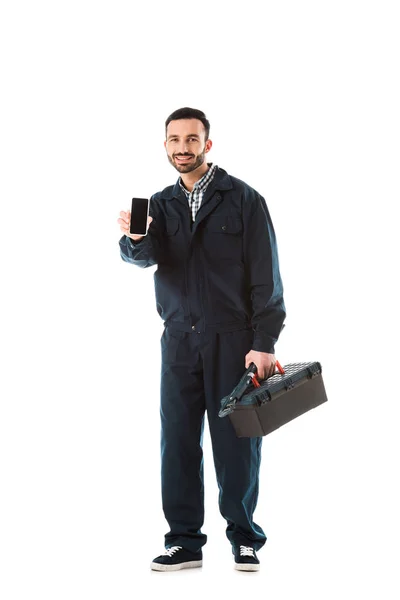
219 291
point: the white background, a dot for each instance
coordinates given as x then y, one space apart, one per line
303 99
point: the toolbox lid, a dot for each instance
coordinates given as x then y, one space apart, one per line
295 374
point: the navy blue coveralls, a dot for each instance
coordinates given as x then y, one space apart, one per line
219 291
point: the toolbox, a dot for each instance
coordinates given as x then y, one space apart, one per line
256 408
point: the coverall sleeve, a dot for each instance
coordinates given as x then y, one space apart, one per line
145 252
263 276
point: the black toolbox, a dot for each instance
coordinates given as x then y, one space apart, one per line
257 411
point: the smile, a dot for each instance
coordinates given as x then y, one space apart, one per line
183 158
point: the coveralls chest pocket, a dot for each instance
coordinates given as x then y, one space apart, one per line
223 238
173 242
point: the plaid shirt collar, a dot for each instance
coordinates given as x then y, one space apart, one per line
201 184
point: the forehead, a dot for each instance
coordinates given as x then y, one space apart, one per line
183 127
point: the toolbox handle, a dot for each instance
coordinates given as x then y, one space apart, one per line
278 366
249 377
254 375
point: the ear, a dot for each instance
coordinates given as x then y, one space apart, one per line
208 145
165 143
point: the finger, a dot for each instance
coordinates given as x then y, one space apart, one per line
267 372
124 217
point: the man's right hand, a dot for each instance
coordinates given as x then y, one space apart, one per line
124 222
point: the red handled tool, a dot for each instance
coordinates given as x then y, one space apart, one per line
250 376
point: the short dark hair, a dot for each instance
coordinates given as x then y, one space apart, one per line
188 113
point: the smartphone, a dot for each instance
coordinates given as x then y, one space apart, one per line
139 215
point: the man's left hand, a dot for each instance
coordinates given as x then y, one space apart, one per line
264 362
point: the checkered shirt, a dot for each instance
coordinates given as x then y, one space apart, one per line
195 197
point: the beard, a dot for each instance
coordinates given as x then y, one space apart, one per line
192 166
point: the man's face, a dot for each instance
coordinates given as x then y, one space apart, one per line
186 145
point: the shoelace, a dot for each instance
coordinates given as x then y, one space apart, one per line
171 551
247 551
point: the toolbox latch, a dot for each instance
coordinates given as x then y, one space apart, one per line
263 398
313 371
289 385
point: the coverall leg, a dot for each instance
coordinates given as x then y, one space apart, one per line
198 369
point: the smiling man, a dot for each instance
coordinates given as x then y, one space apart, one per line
187 146
219 291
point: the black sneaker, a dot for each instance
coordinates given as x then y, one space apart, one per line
176 558
246 559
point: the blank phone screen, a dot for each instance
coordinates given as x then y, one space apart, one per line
139 214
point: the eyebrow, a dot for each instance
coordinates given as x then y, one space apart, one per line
173 135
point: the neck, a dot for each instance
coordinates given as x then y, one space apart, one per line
189 179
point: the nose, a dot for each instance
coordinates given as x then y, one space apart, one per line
182 148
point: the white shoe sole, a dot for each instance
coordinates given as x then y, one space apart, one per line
246 567
185 565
